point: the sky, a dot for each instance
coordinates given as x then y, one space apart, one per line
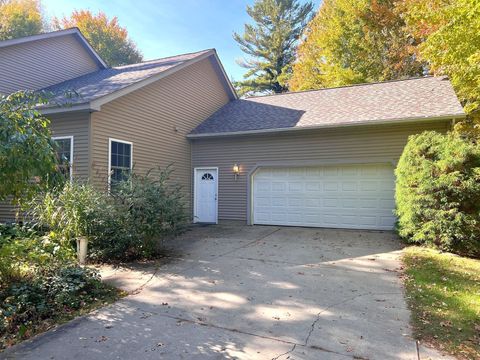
169 27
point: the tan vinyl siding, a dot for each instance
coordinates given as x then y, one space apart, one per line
35 65
68 124
367 144
7 211
76 124
156 119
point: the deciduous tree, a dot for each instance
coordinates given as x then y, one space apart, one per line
106 36
20 18
352 42
27 151
449 35
270 43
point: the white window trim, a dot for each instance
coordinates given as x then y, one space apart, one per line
110 157
71 152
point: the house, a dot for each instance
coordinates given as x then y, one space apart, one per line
321 158
128 116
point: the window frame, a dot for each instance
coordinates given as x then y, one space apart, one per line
110 140
70 137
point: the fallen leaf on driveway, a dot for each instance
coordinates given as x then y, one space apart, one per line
101 339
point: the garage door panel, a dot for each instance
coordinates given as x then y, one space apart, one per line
295 186
387 203
329 186
349 186
313 186
346 196
279 186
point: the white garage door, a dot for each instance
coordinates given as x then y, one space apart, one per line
345 196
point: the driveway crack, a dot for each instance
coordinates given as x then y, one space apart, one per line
139 289
312 326
197 263
317 319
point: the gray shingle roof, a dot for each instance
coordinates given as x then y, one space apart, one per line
428 97
95 85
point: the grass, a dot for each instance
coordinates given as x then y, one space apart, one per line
109 296
443 292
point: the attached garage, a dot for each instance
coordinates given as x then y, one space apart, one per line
322 158
347 196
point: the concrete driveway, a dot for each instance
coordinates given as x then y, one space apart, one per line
240 292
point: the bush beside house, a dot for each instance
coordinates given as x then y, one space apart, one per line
40 281
127 224
438 193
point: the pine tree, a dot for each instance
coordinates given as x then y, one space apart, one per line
270 43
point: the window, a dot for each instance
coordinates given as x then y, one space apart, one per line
207 176
65 154
120 162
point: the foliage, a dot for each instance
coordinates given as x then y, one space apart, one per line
24 251
271 42
146 209
438 192
40 282
449 35
46 296
361 41
20 18
27 151
70 210
106 36
125 225
352 42
443 292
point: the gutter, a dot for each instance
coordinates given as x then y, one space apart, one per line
327 126
87 107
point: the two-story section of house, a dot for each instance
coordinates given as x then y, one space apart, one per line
122 117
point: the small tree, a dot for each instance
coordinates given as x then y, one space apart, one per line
271 42
27 151
106 36
438 192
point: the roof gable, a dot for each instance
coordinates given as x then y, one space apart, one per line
420 98
100 87
55 34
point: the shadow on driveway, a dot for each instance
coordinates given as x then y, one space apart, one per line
256 292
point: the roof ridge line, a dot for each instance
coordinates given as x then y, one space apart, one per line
348 86
164 58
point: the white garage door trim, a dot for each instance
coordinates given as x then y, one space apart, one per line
362 186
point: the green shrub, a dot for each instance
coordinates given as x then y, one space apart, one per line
24 252
438 193
145 210
48 293
125 225
40 281
70 210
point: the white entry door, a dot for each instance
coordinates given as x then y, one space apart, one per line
337 196
206 189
